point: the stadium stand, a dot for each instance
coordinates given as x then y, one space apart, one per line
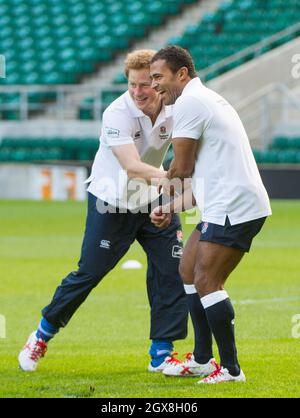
57 42
235 26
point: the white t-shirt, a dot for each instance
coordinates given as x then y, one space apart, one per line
226 180
123 123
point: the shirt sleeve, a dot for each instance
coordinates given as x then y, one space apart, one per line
191 118
117 129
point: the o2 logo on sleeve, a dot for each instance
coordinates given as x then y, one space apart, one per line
112 132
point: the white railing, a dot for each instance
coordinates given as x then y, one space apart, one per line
262 111
65 98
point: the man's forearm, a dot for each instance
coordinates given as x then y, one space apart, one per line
129 159
140 170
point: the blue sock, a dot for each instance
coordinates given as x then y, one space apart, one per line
159 350
46 331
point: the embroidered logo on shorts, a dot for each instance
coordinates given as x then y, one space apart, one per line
105 244
177 251
204 227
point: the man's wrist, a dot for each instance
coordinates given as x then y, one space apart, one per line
168 209
156 180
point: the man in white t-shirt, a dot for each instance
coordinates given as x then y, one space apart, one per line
211 146
136 133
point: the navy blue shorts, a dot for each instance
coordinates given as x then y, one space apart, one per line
238 236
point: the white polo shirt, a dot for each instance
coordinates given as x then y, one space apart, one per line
226 180
123 123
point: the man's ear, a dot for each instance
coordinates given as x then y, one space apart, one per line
183 73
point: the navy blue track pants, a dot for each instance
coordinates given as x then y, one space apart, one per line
107 238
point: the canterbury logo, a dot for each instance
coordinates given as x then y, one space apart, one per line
105 244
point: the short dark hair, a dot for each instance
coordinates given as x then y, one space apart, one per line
176 58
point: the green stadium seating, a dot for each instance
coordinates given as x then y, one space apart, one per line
47 149
236 25
283 150
56 42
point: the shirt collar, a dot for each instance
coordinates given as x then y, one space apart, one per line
192 84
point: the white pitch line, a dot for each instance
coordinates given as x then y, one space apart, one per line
250 301
272 300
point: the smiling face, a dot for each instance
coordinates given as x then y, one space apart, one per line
169 85
141 92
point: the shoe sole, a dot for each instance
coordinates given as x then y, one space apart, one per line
26 371
155 370
222 383
203 376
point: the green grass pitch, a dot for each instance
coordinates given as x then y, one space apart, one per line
103 350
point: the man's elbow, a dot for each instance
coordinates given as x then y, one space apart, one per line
131 174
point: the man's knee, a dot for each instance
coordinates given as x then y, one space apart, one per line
206 284
186 274
201 282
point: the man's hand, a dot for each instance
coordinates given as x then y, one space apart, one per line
159 219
